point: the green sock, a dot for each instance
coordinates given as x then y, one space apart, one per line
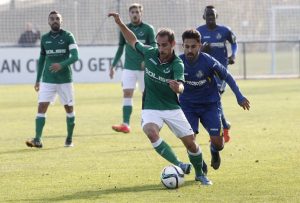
197 160
70 127
39 125
127 110
166 152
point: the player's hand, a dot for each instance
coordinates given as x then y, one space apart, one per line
55 67
143 65
116 17
205 47
111 72
245 104
37 86
231 59
176 86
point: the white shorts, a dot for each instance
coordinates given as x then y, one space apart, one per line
49 91
131 77
175 120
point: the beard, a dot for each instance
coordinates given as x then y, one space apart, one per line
55 27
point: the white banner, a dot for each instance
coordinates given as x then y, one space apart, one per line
18 65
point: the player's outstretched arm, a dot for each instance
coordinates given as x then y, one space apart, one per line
127 33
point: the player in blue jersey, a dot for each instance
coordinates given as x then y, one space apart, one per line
214 38
200 100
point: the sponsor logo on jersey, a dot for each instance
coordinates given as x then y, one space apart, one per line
48 42
57 51
156 77
218 36
206 37
196 83
217 44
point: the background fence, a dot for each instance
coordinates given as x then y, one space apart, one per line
268 31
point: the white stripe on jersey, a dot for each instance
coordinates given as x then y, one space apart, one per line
73 46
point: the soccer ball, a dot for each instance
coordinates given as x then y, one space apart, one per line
172 177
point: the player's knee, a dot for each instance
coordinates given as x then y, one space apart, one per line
151 132
218 143
193 148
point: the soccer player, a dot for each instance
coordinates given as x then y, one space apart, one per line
58 52
133 71
201 100
163 81
214 38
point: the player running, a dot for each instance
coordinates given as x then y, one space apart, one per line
201 99
163 81
214 38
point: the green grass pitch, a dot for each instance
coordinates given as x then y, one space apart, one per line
259 164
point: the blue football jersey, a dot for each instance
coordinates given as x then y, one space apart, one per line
200 86
217 39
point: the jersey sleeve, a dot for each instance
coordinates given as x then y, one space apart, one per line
151 37
120 50
179 71
223 73
41 62
73 49
142 48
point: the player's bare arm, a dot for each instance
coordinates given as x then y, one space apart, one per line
176 86
127 33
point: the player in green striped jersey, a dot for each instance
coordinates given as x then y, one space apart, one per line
133 71
163 81
58 51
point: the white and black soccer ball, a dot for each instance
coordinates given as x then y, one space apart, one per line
172 177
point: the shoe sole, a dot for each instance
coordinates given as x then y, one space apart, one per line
29 144
69 145
120 131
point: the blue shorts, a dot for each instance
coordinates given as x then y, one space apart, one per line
210 117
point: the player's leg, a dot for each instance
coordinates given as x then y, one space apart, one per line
151 124
193 119
180 126
226 125
211 120
128 84
47 94
66 94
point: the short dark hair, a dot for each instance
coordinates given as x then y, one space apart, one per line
209 7
191 34
53 12
166 32
136 5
